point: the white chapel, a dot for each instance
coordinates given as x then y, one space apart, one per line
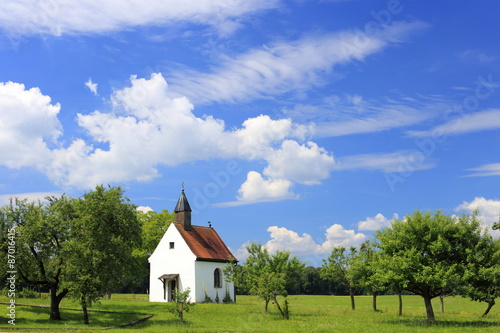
189 256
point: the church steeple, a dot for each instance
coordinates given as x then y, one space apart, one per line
183 212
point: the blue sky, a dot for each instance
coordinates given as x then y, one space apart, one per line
300 124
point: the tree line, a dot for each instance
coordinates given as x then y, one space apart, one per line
427 254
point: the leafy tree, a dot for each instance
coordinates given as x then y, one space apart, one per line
391 272
368 274
340 267
434 249
154 225
42 233
268 276
180 304
483 272
103 237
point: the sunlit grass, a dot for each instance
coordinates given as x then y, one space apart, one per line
308 314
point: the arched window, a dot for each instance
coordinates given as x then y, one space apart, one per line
217 278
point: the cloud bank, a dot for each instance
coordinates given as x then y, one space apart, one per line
128 144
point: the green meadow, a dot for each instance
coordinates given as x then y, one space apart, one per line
308 314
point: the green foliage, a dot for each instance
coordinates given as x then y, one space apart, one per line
227 298
341 267
207 298
27 293
180 304
429 253
267 276
153 225
42 232
103 237
482 277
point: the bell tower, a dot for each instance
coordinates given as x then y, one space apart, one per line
183 212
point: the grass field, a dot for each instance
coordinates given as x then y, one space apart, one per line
308 314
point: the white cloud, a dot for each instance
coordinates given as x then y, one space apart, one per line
489 211
92 86
28 123
286 65
306 164
28 17
288 240
144 209
468 123
492 169
376 223
258 189
337 235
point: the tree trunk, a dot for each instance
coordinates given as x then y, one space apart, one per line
441 300
490 305
85 311
267 304
428 309
55 300
375 293
400 312
284 314
181 314
351 293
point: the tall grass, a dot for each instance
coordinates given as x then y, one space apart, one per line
308 314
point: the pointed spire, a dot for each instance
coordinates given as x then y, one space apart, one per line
182 203
183 211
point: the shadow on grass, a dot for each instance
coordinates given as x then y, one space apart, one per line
443 323
37 317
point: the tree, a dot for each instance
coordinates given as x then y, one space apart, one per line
42 233
268 276
339 267
434 249
483 272
391 272
100 252
367 272
180 304
154 225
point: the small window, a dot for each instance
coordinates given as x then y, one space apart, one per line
217 278
171 245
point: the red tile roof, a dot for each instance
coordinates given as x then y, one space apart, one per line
205 243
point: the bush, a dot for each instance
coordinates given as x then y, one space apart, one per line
27 293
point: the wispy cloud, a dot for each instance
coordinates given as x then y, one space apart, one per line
387 162
286 65
346 115
477 56
486 170
27 17
468 123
